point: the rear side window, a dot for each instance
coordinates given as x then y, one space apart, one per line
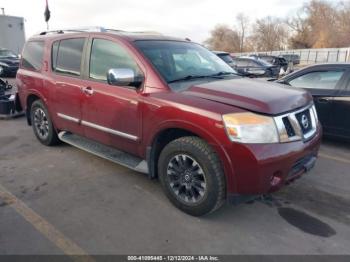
318 80
32 57
67 56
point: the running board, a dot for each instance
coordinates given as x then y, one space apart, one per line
106 152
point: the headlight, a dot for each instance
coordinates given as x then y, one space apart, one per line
250 128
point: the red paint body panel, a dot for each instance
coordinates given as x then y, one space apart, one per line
146 112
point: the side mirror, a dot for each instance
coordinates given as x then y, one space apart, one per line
123 77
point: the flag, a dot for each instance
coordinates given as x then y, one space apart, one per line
47 13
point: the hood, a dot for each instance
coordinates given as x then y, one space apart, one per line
257 96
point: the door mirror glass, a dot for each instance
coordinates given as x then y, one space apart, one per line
123 77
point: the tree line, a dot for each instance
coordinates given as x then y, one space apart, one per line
317 24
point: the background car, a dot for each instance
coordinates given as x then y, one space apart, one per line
329 84
252 67
9 62
279 61
292 58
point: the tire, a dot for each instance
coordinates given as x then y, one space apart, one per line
2 73
42 124
192 176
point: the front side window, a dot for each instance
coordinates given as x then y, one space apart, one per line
175 59
67 56
318 80
106 55
32 57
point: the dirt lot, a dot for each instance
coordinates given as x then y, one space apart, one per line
62 200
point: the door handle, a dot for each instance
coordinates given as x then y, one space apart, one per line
88 91
323 100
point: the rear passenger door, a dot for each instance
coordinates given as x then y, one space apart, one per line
66 83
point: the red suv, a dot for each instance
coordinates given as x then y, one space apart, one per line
169 108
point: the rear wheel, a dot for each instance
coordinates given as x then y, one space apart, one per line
191 176
42 124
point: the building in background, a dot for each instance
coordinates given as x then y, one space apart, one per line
12 33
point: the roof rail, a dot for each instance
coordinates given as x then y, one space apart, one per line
76 30
92 29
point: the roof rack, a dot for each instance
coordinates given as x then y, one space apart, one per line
76 30
93 29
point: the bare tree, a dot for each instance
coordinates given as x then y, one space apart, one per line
243 25
318 24
223 38
321 24
269 34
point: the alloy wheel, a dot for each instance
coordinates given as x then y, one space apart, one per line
186 179
41 123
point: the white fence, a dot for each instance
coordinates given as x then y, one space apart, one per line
311 56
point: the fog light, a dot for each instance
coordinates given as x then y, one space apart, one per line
276 179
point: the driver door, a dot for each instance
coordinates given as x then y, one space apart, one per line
111 114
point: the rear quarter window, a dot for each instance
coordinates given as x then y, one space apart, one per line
32 56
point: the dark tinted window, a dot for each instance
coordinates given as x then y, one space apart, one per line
32 56
69 56
107 55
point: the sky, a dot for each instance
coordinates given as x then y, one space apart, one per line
182 18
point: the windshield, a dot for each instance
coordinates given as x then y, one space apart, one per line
177 60
7 53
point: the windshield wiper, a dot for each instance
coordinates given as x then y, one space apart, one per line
191 77
223 73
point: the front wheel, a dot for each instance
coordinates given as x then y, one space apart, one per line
42 124
191 176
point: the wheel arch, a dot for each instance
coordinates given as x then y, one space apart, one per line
32 96
175 130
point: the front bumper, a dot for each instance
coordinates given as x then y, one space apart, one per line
264 168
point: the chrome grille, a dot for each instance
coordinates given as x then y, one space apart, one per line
297 125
